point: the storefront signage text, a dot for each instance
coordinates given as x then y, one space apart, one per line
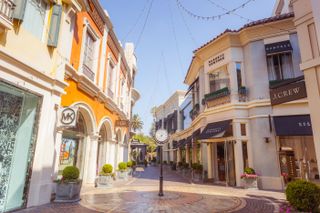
68 117
122 123
216 60
288 93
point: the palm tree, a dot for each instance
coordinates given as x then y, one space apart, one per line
136 122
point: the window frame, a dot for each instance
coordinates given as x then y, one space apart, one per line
278 54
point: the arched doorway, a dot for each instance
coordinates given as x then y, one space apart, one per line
105 148
125 148
72 149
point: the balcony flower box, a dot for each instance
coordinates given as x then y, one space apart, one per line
217 94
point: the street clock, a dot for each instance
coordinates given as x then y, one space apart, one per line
161 136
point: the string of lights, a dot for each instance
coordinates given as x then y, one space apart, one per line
214 17
242 17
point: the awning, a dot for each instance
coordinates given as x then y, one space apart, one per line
217 130
278 47
196 135
188 141
297 125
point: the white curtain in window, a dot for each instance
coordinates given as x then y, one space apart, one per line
271 70
287 69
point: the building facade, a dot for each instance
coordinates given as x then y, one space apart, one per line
60 61
167 116
249 104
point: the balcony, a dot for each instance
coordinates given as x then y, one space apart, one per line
195 111
135 95
6 13
218 97
243 94
88 72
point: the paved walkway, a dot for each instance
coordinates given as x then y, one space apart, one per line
140 194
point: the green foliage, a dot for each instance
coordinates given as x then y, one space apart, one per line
129 164
303 195
122 166
249 171
107 168
136 122
134 163
146 140
197 167
70 173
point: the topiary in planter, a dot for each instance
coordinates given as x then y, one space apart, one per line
107 169
129 164
249 171
70 174
122 166
303 195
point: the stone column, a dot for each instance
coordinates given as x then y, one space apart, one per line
232 70
92 164
209 160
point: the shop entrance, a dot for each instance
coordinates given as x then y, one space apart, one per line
73 146
225 163
298 158
18 119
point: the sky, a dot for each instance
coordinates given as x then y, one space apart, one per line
165 36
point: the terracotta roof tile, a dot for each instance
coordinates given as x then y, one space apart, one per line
251 24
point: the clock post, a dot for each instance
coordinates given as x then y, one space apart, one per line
161 138
161 174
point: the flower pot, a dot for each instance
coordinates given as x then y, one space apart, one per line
68 192
250 183
123 175
196 176
104 181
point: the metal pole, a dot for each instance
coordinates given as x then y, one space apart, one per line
161 175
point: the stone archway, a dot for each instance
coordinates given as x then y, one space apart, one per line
104 144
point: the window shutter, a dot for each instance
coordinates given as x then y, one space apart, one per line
19 9
55 26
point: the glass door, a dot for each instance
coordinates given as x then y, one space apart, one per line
230 165
18 111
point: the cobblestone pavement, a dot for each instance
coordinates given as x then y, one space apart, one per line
140 194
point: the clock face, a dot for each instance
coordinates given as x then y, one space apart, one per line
161 135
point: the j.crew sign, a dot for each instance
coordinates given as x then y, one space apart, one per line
288 93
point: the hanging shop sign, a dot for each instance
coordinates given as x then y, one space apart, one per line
122 123
68 117
288 93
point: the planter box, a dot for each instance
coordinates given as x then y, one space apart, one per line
104 181
123 175
196 176
250 183
68 192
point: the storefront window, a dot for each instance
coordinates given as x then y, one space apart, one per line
298 157
219 80
72 146
18 115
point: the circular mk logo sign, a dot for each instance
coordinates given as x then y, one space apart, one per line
68 116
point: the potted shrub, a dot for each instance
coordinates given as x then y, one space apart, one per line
123 172
106 176
303 196
197 172
68 188
250 179
185 168
130 167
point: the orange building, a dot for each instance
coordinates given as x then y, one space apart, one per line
100 91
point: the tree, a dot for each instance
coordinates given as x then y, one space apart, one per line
136 122
146 140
